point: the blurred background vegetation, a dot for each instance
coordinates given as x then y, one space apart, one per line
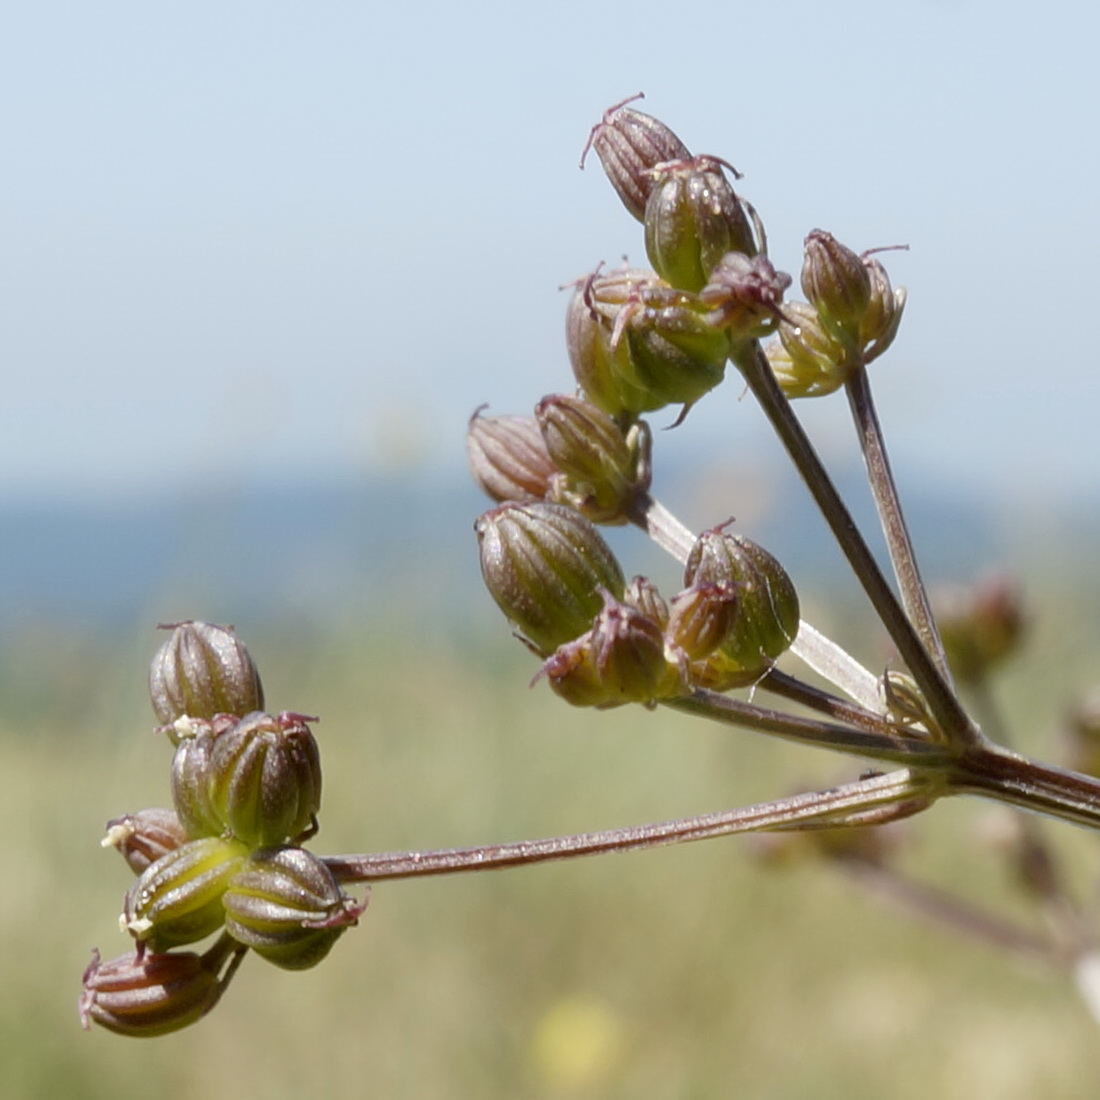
698 971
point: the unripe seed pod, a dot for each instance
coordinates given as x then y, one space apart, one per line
600 362
637 344
144 995
836 283
692 219
584 441
676 355
745 295
144 837
202 670
701 618
880 322
602 469
620 660
508 457
190 777
768 617
178 899
286 905
545 565
630 144
643 594
806 360
905 704
265 778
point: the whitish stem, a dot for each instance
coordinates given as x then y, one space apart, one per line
837 666
899 545
1086 975
877 794
663 527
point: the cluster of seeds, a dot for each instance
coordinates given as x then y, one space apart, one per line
227 859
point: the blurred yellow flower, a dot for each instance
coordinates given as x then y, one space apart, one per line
578 1041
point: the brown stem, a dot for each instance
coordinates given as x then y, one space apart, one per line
798 691
1036 860
889 745
941 699
1005 776
830 806
948 910
914 595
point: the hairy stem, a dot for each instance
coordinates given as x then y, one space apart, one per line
877 793
914 595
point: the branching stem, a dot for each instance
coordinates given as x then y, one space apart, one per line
941 699
893 746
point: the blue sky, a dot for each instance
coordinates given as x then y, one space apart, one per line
250 239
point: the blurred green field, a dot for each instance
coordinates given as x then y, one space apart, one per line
682 973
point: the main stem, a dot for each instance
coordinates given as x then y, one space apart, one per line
993 771
989 770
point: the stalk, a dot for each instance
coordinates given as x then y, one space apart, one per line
877 794
993 771
941 699
662 526
892 747
797 691
820 653
990 771
995 774
945 909
899 545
